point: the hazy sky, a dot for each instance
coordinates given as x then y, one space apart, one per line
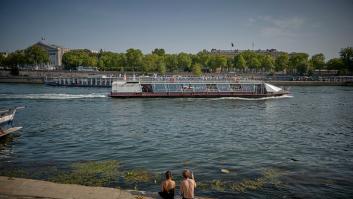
189 26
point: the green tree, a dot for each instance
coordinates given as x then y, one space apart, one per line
281 62
318 61
36 55
149 63
134 59
16 58
347 57
217 62
184 61
161 66
159 51
298 63
335 64
196 69
254 63
171 61
203 57
267 63
111 61
239 62
75 58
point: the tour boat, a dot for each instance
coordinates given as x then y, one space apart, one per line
194 88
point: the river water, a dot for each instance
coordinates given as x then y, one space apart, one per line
305 140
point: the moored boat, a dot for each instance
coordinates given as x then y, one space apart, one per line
195 88
6 121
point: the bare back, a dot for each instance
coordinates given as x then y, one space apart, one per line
167 185
187 187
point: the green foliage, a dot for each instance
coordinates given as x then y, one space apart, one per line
134 59
298 62
16 58
335 64
75 58
318 61
111 61
184 61
159 61
254 62
217 61
346 55
203 57
267 62
36 55
159 51
281 62
171 61
239 61
196 69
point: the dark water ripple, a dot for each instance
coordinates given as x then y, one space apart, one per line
308 137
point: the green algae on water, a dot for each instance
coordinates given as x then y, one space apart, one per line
138 175
92 173
269 176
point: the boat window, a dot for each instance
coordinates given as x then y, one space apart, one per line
159 88
199 87
211 87
175 87
235 87
223 87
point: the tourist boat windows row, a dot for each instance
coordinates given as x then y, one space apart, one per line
204 88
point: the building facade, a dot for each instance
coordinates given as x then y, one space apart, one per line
55 53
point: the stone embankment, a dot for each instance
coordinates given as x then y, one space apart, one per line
20 188
38 77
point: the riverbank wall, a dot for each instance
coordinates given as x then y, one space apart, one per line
39 77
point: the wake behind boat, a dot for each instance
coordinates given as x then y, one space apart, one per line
6 121
194 88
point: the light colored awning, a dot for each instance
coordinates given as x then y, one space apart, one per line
271 88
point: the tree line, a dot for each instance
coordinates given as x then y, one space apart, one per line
204 61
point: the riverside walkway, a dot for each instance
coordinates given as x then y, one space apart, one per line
20 188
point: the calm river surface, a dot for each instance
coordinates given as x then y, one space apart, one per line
306 140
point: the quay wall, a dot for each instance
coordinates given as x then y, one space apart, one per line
38 77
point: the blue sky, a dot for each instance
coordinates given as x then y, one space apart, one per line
185 25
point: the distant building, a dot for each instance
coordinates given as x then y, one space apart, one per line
232 53
55 52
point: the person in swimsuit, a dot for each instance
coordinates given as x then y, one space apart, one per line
188 185
168 186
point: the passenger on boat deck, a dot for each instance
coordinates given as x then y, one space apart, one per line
188 185
168 186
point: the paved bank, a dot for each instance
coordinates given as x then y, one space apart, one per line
20 188
27 188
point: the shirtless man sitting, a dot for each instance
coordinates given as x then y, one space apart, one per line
188 185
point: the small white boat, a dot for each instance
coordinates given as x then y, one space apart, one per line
6 121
